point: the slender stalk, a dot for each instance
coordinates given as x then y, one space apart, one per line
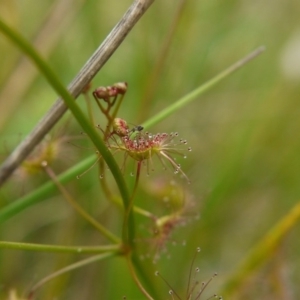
103 181
89 107
50 188
136 209
86 74
188 292
39 194
204 286
69 268
108 193
79 209
135 277
172 289
60 248
114 114
128 233
102 109
202 89
145 275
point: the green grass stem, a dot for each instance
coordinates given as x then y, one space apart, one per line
69 268
194 95
61 249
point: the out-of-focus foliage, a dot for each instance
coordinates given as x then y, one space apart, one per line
245 163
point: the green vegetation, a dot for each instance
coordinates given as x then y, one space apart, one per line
242 205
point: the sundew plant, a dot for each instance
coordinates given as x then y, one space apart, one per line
135 132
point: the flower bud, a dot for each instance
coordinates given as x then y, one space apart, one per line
101 93
120 127
121 87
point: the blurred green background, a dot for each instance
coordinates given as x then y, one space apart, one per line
245 163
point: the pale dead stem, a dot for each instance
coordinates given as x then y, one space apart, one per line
86 74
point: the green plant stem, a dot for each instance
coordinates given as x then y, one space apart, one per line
101 166
44 191
79 209
102 109
109 195
146 275
61 249
70 102
202 89
103 182
114 114
143 212
127 236
89 107
69 268
135 277
49 188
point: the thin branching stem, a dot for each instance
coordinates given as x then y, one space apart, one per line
69 268
78 208
102 172
100 106
135 277
168 284
204 287
47 188
202 89
89 107
188 292
114 114
60 248
127 236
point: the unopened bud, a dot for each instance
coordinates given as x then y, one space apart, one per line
112 91
120 127
121 87
101 93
